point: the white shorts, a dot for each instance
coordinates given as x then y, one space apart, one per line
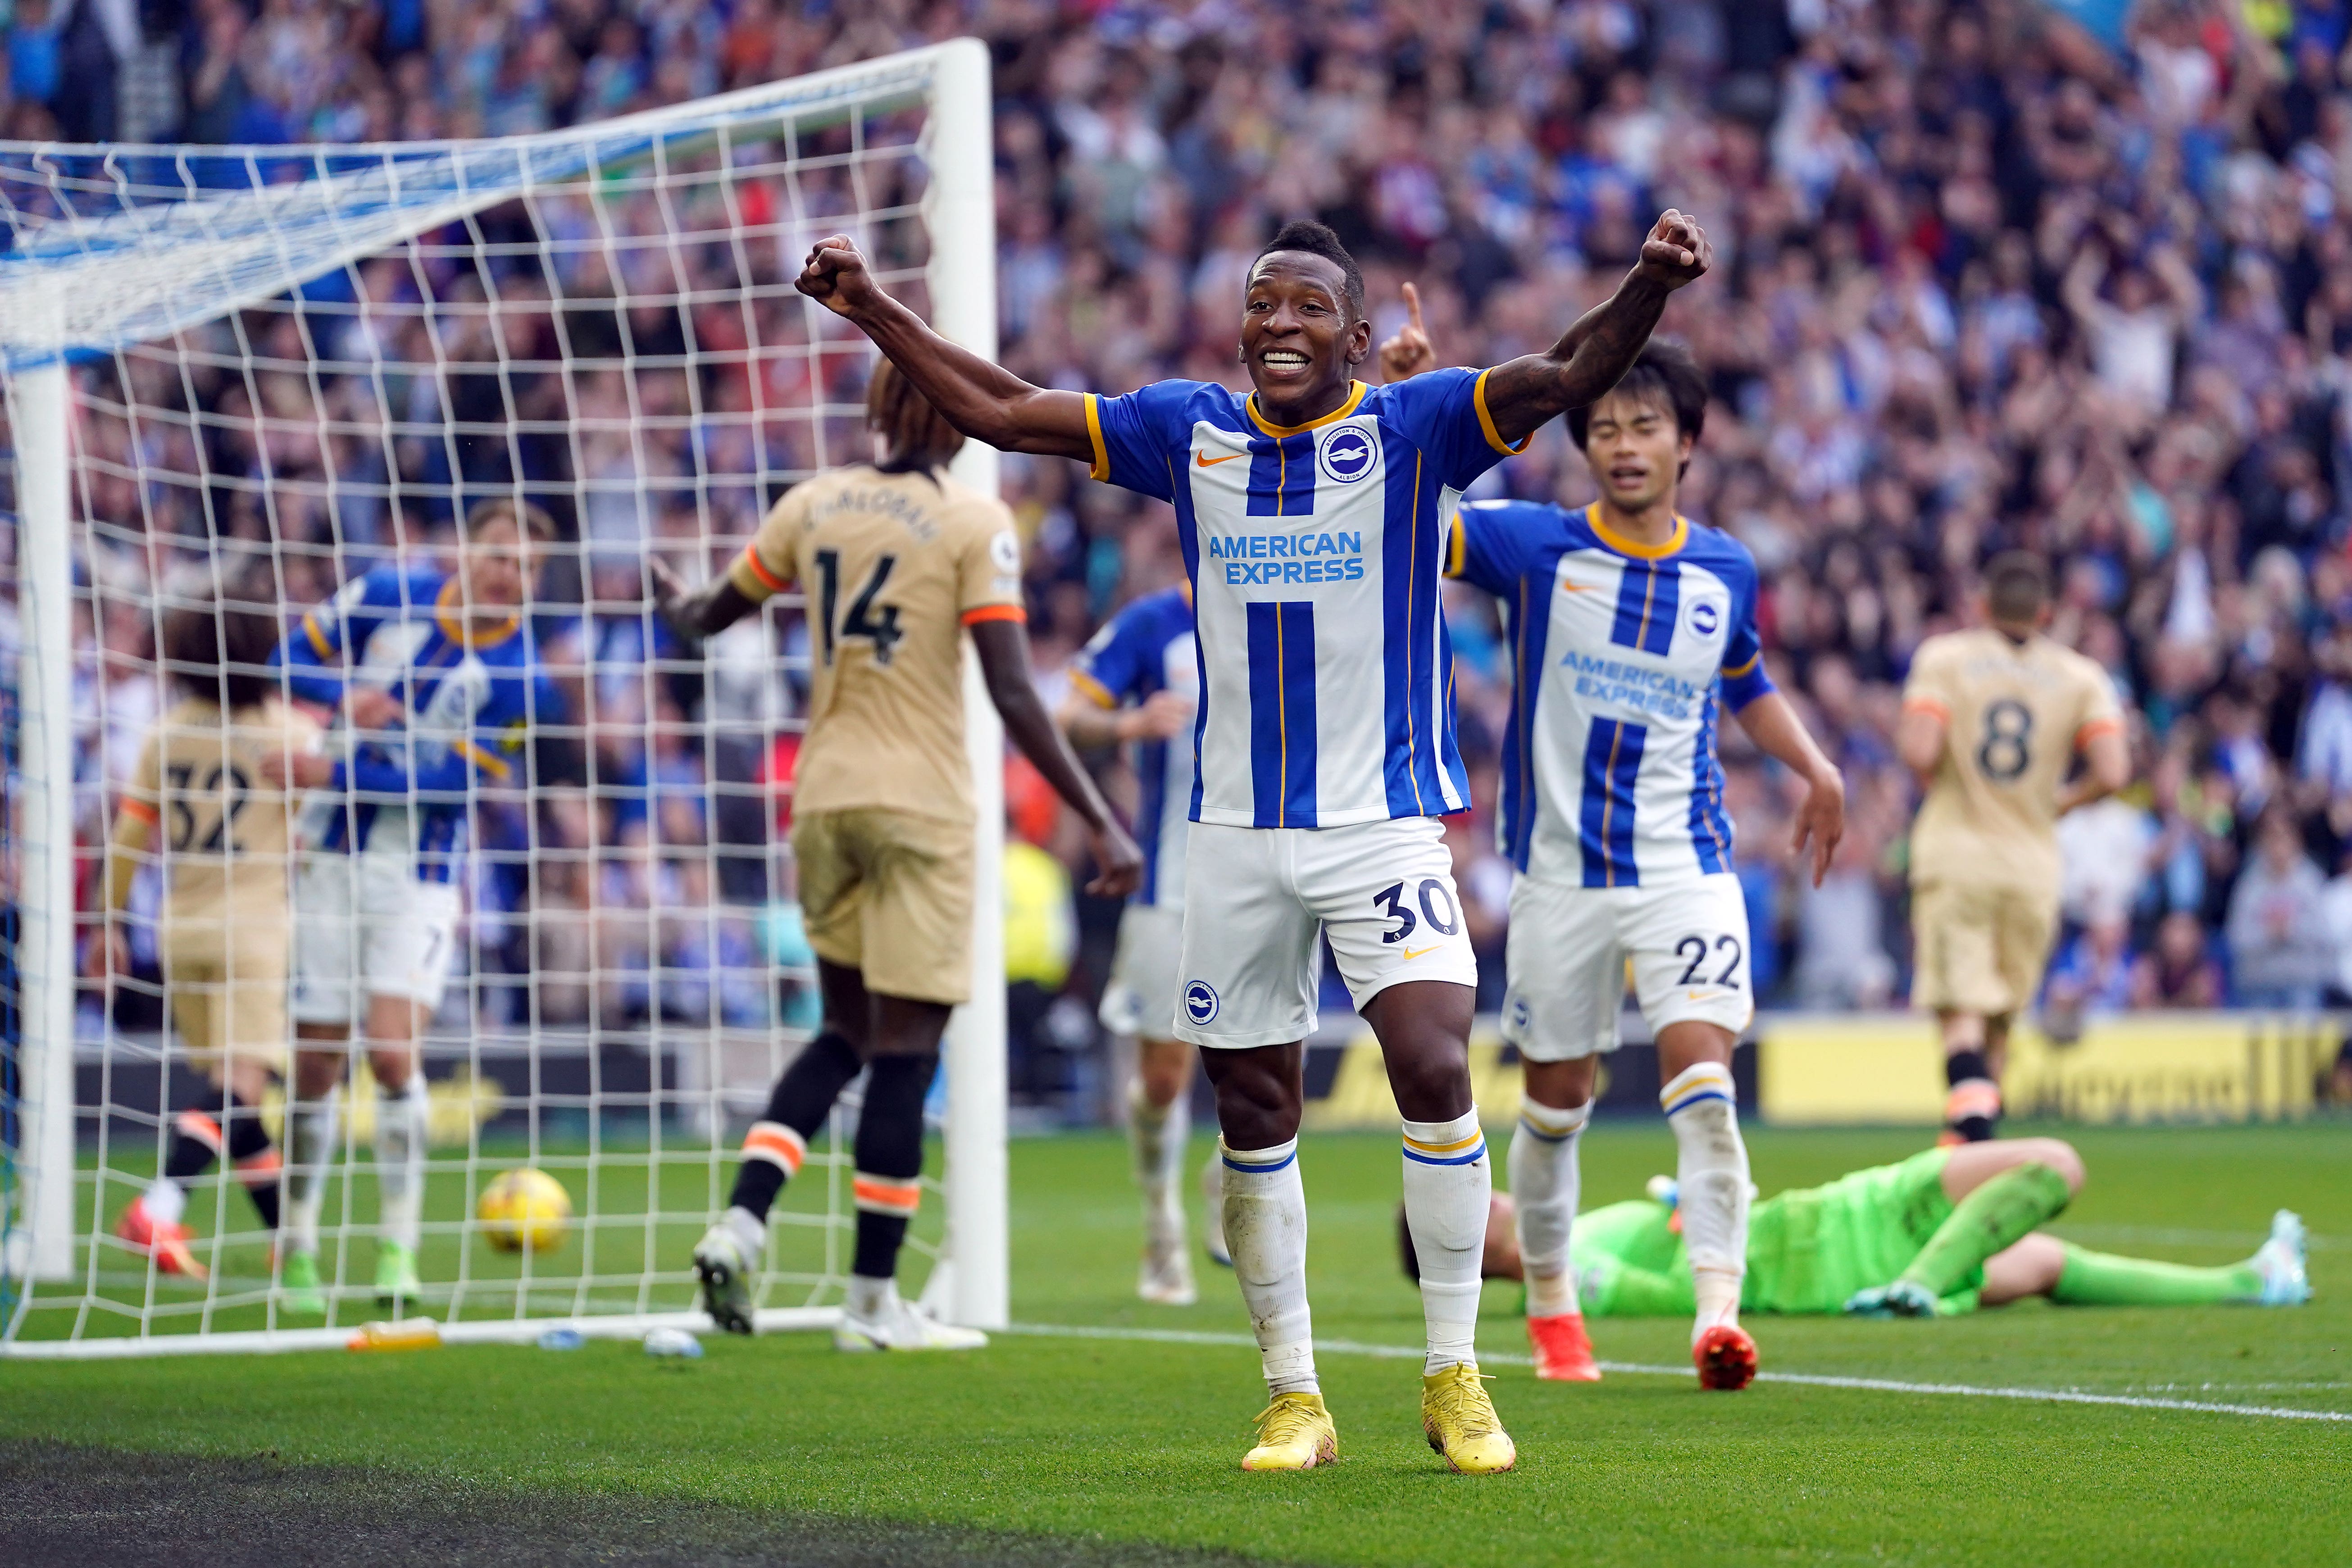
1568 947
1255 900
364 926
1141 999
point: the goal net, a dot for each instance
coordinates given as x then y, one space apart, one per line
298 366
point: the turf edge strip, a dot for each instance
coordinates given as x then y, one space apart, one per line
1810 1380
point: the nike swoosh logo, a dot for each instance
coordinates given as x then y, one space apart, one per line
1206 462
1576 587
1413 952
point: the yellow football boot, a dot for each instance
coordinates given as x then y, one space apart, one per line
1460 1421
1294 1433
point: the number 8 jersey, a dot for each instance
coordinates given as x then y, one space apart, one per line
2014 715
892 566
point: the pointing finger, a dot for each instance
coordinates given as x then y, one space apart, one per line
1413 305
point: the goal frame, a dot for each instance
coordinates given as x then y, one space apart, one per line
970 1281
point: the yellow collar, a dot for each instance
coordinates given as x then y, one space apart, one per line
451 615
1635 547
1341 412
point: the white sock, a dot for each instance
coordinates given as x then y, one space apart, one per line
1157 1134
1544 1183
400 1160
1449 1182
750 1232
871 1300
1264 1210
310 1134
166 1201
1212 1205
1711 1179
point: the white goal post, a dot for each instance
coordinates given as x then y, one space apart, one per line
311 360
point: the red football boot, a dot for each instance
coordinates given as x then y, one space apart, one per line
167 1242
1726 1358
1563 1351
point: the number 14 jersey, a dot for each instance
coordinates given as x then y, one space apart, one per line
892 566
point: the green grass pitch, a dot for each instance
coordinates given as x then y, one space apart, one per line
1089 1449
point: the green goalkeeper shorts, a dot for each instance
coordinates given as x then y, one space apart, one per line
1809 1249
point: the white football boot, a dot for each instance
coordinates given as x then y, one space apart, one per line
900 1325
726 1264
1165 1278
2286 1280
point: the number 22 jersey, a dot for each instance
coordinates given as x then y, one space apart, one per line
1623 656
1314 553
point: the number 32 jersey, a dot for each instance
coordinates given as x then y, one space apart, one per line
893 566
2014 714
1623 656
1314 553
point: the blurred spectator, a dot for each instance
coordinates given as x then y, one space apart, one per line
2280 954
2179 971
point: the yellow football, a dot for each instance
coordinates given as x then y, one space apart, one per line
524 1210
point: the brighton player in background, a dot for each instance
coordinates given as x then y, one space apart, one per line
1138 682
435 674
1994 720
1942 1233
897 561
201 782
1632 629
1312 515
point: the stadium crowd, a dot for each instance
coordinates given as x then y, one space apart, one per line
1987 279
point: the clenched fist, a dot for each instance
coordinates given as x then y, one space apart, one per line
835 276
1676 252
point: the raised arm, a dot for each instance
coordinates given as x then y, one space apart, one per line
713 607
1591 355
985 401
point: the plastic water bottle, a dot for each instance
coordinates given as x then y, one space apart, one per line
672 1343
561 1339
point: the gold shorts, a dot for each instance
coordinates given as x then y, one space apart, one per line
225 980
1979 950
890 894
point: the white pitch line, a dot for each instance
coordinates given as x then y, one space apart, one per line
1810 1379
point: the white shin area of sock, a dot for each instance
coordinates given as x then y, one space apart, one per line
1544 1191
1264 1211
400 1160
1711 1179
1157 1134
1449 1184
311 1132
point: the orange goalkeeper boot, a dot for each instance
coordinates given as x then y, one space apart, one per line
1563 1351
166 1241
1726 1358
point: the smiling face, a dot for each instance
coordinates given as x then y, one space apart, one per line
1636 448
1300 342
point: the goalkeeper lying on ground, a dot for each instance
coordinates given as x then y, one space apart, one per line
1945 1231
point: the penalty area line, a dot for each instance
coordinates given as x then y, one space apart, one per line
1803 1379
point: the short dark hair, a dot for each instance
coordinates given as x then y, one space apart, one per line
2017 587
1663 373
531 519
1304 234
219 649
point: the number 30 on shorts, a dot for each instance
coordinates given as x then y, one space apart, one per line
1434 897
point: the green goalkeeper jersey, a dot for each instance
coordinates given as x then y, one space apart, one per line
1809 1249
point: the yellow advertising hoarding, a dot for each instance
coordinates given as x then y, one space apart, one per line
1887 1069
